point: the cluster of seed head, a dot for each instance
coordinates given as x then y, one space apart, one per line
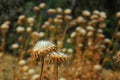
48 50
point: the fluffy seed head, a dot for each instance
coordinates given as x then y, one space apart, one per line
42 48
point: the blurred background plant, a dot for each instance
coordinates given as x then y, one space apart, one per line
87 31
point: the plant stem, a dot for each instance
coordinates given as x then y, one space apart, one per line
42 64
56 71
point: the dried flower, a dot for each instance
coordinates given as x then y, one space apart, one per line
58 57
42 48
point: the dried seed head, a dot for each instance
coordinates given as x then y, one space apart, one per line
97 67
118 14
22 62
69 40
73 23
86 13
59 16
21 17
31 71
81 31
35 35
102 25
64 50
35 77
42 48
42 5
73 34
90 34
80 19
51 11
4 26
29 29
41 34
103 15
68 18
106 40
57 21
94 17
67 11
15 46
89 28
7 22
58 57
30 20
25 68
20 29
36 9
59 44
96 12
62 78
70 50
59 10
117 57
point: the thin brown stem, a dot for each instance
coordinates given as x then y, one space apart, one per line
56 71
42 65
116 29
65 32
